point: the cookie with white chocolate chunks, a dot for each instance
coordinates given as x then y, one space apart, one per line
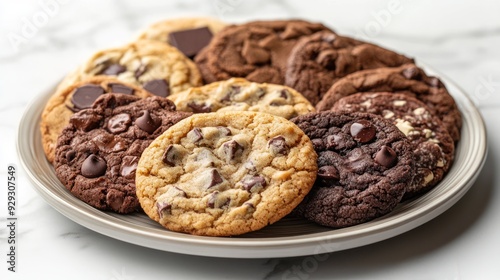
159 68
226 173
433 146
238 94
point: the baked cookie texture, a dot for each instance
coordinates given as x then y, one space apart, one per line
257 51
97 153
318 60
227 173
408 79
238 94
64 103
433 146
157 67
364 166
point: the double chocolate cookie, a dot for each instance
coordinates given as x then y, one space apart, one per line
433 146
407 79
364 166
223 174
257 51
238 94
97 153
74 98
318 60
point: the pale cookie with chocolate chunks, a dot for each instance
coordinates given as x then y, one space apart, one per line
238 94
97 153
159 68
189 35
223 174
74 98
433 146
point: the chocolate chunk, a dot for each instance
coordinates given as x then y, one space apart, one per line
411 73
190 41
119 88
171 156
284 94
233 90
119 123
93 166
157 87
199 108
328 172
216 200
231 149
215 178
278 145
224 131
114 70
255 181
139 71
129 165
386 157
195 134
147 123
363 131
163 208
108 143
84 96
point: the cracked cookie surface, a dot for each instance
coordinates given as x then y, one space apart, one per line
238 94
223 174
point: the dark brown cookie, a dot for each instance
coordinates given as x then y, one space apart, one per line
97 153
407 79
257 51
433 146
364 166
318 60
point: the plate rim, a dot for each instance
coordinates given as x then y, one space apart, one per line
256 247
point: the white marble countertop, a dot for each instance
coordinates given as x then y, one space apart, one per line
458 38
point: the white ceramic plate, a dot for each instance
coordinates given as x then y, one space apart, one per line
286 238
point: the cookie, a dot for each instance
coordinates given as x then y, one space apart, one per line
74 98
407 79
433 147
257 51
157 67
225 173
318 60
97 153
238 94
189 35
364 165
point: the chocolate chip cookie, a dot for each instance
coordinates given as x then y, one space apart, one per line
189 35
407 79
74 98
318 60
97 153
223 174
159 68
238 94
257 51
364 166
433 146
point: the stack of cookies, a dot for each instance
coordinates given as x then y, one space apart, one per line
219 130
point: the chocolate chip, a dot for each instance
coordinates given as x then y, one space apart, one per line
119 88
163 208
199 108
254 182
215 178
231 149
70 155
114 70
190 41
411 73
216 200
363 131
146 122
119 123
278 145
93 166
284 94
157 87
386 157
328 172
233 90
129 165
195 135
139 71
84 96
171 156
